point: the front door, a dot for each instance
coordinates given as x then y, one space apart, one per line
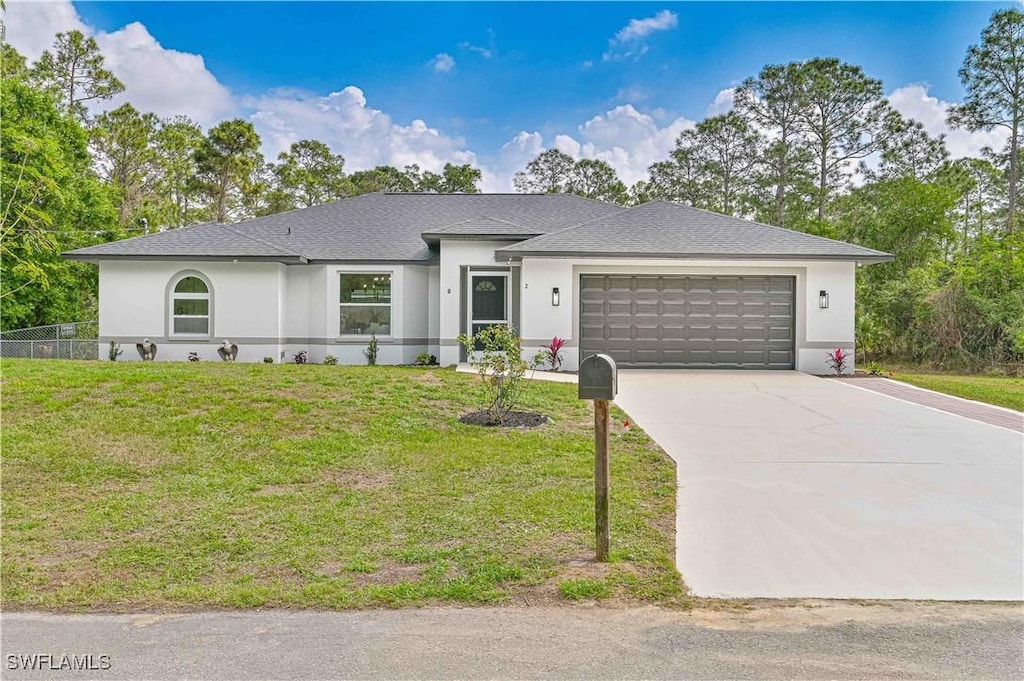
488 300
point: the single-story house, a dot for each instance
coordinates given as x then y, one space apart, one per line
654 285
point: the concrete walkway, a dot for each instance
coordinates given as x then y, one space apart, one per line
796 486
836 641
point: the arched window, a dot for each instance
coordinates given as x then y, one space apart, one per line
190 307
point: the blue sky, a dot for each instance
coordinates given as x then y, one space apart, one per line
480 74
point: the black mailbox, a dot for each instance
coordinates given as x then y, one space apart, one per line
599 379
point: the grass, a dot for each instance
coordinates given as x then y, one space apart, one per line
130 486
1004 392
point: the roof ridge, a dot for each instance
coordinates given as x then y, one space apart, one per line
619 210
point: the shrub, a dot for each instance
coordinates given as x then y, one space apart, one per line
193 356
553 353
268 360
837 360
426 359
300 357
496 354
330 360
114 352
874 368
371 350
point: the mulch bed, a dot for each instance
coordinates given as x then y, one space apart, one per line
514 419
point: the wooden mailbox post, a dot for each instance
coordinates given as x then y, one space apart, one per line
599 381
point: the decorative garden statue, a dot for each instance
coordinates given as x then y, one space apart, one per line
228 351
147 350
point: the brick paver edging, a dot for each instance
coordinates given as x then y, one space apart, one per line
978 411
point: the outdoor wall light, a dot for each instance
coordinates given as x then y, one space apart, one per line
823 299
555 298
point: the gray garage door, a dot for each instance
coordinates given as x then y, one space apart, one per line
719 322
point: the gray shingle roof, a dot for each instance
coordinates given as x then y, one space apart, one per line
660 229
378 227
483 226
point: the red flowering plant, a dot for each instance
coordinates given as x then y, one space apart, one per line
837 360
553 353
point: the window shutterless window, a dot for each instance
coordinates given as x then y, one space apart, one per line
365 304
190 308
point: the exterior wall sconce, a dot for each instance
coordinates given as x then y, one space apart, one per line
823 299
555 297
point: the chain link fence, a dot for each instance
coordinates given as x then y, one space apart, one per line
76 340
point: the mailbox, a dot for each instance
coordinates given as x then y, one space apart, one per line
598 378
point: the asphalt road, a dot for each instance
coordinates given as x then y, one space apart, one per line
810 641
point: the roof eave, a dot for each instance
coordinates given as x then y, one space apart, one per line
98 257
865 259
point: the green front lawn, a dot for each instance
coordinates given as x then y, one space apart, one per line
1005 392
135 486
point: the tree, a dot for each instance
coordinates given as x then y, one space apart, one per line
226 161
907 150
74 73
51 201
840 111
549 173
452 180
729 151
177 142
555 172
993 75
680 179
771 101
308 174
382 179
125 156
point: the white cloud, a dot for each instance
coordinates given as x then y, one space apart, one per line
365 136
31 26
166 82
484 52
722 104
443 63
913 101
638 29
628 41
627 139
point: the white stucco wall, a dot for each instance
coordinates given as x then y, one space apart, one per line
455 255
268 309
245 307
817 330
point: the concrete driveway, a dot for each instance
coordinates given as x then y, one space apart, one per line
796 486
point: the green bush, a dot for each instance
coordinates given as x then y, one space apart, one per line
496 354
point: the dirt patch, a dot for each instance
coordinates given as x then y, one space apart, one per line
389 573
514 419
427 378
347 479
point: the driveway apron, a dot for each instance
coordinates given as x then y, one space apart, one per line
792 485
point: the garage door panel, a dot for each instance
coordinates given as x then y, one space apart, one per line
689 321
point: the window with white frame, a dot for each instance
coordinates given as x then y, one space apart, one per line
190 307
365 304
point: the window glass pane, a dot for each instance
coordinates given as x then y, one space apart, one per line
489 298
366 288
191 285
191 325
363 321
191 306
